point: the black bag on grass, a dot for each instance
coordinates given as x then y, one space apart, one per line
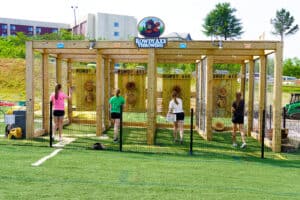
98 146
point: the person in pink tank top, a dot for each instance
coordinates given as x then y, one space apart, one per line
58 106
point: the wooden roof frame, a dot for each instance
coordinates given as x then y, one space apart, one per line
125 51
232 52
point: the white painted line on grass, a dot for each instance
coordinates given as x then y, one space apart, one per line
56 151
39 162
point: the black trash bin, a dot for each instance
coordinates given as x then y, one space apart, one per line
20 121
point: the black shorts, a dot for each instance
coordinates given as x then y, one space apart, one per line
179 116
115 115
58 113
238 119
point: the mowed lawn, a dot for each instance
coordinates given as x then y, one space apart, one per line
89 174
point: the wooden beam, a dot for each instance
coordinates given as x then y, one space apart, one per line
29 90
277 99
250 97
199 83
262 92
209 98
45 89
69 84
99 94
270 45
73 51
59 70
106 92
217 52
243 79
125 52
112 77
151 97
180 57
174 61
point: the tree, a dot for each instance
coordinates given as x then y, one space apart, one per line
291 67
221 22
283 24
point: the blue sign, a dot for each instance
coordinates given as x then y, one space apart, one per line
151 42
60 45
182 45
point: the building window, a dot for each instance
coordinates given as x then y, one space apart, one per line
116 34
116 24
54 30
38 30
4 35
12 27
30 28
4 26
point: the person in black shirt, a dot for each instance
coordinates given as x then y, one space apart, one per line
237 110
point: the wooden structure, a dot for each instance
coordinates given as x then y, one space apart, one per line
204 53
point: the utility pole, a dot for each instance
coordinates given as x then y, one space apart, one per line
74 11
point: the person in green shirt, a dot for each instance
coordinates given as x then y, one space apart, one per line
115 104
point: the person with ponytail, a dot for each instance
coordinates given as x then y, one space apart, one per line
175 107
115 104
237 110
57 98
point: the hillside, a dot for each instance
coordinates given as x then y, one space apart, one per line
12 79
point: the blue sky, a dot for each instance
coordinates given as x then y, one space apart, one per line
178 15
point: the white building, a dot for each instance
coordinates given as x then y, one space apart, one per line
102 26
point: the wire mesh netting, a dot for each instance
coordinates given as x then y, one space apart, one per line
80 129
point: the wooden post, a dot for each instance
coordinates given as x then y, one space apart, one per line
59 69
209 98
106 92
151 97
250 97
29 90
112 77
45 89
111 81
198 94
201 92
262 92
277 92
69 77
99 93
243 78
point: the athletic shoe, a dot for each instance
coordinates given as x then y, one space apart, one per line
244 145
234 144
116 140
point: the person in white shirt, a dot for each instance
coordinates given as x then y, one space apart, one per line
175 107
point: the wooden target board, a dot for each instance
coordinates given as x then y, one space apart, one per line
224 88
132 84
171 82
84 89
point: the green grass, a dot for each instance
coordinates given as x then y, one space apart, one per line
88 174
291 88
